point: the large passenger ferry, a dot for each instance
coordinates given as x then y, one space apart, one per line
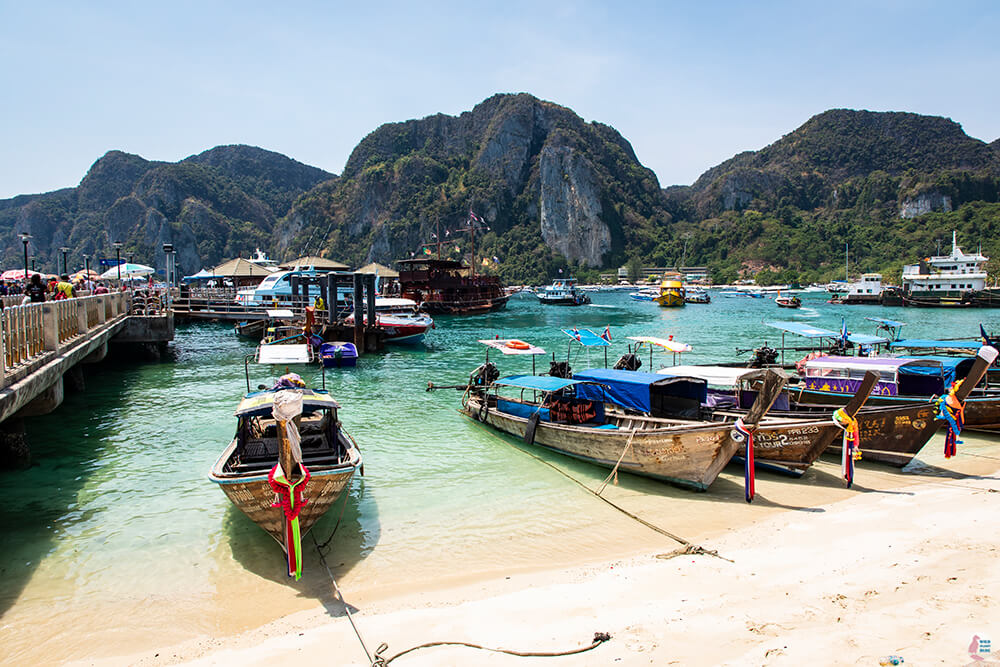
956 279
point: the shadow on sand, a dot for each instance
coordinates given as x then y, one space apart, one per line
344 538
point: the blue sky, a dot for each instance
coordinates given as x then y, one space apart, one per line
689 85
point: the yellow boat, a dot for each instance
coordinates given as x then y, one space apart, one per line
671 292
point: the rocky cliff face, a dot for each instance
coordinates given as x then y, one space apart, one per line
211 206
540 176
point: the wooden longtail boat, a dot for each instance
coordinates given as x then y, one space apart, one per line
684 452
891 434
327 451
904 381
789 442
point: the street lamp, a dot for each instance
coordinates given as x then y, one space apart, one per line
64 250
25 237
86 266
168 250
118 259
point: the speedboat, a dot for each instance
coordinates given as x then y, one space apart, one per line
399 320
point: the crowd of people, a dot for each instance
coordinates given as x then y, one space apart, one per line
54 289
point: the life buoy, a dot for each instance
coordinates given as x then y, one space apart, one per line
518 345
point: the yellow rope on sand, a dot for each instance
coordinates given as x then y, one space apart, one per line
614 471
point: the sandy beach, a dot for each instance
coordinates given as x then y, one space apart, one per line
904 564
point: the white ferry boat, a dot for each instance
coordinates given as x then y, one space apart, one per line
956 279
563 292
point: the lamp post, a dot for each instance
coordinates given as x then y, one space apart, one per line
168 249
64 250
25 237
118 259
86 265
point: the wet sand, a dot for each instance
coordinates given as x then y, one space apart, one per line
903 563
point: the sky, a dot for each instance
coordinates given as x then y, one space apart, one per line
687 84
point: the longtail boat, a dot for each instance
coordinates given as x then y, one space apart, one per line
305 461
563 415
785 441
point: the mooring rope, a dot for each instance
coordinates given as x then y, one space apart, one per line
653 527
614 471
599 638
340 596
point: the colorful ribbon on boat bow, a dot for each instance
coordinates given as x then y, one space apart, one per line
288 496
852 443
741 433
952 412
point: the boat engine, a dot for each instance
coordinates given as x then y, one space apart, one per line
628 362
763 356
485 375
560 369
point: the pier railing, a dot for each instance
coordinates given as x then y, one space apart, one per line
33 332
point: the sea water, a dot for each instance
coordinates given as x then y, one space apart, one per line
115 541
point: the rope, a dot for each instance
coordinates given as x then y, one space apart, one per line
647 524
614 471
340 597
599 638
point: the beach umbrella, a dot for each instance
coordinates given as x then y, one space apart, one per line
81 274
15 274
128 270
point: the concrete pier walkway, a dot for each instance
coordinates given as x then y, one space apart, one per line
42 342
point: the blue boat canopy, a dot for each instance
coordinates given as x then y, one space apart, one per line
649 393
889 323
586 337
951 368
921 344
536 382
809 331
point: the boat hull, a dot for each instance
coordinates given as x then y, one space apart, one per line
472 307
688 457
893 435
252 493
980 412
670 299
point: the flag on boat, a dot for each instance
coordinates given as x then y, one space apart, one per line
607 333
843 329
576 333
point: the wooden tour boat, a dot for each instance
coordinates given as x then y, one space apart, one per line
568 416
310 451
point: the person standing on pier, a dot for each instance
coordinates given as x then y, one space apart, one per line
36 290
64 288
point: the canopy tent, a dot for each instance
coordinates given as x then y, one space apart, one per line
586 337
717 376
260 403
127 270
921 344
242 268
380 270
204 274
512 346
17 274
809 331
668 344
649 393
536 382
315 262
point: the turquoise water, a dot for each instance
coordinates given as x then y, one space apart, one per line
115 525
